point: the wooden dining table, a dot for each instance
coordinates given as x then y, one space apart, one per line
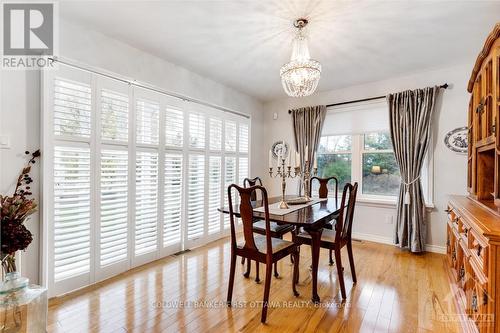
312 219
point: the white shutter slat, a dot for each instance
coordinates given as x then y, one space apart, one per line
114 116
174 127
72 108
147 121
214 194
215 134
196 130
114 206
172 199
243 138
230 136
71 221
146 211
196 197
242 169
230 178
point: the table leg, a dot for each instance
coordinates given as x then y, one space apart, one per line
315 246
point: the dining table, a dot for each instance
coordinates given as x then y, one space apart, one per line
311 218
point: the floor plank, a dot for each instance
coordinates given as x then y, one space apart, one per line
396 292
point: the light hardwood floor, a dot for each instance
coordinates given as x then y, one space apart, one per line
396 292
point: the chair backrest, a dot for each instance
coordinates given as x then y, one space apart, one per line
343 226
249 182
246 215
323 186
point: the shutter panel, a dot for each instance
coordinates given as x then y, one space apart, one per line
172 199
230 135
243 139
146 211
196 197
72 108
71 212
114 116
242 169
230 178
114 206
215 134
196 130
214 194
147 122
174 127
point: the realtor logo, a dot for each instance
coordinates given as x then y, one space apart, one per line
28 34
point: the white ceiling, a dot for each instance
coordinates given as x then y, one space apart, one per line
244 43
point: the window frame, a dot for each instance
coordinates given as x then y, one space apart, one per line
357 151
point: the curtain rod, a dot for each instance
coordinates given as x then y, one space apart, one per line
144 86
443 86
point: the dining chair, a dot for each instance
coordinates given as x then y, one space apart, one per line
323 193
261 248
259 227
339 237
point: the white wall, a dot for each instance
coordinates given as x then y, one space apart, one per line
20 106
449 167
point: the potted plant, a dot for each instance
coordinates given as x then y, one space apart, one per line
15 209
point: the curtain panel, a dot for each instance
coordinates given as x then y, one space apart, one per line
410 114
307 125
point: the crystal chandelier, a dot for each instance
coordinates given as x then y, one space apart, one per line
301 75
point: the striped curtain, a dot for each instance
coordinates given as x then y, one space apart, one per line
410 114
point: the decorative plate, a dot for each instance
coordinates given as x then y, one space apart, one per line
278 147
456 140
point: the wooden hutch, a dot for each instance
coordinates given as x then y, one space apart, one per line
473 230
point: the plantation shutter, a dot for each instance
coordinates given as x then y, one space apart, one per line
196 130
114 206
196 197
172 199
147 121
72 105
214 194
174 127
71 212
146 210
230 178
230 136
114 116
215 134
242 169
243 138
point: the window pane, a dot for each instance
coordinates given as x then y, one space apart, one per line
378 141
337 165
332 144
380 174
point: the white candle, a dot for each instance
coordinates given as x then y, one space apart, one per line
297 159
315 164
270 159
307 154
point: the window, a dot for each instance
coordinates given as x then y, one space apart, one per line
380 170
137 175
356 147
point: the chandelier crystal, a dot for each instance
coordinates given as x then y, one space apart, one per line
301 75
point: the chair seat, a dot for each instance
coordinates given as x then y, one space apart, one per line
260 226
327 235
276 243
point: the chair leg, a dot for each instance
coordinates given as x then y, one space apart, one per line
340 272
257 279
249 265
295 275
231 279
331 258
351 261
242 260
267 287
276 275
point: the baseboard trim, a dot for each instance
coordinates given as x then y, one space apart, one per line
389 241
